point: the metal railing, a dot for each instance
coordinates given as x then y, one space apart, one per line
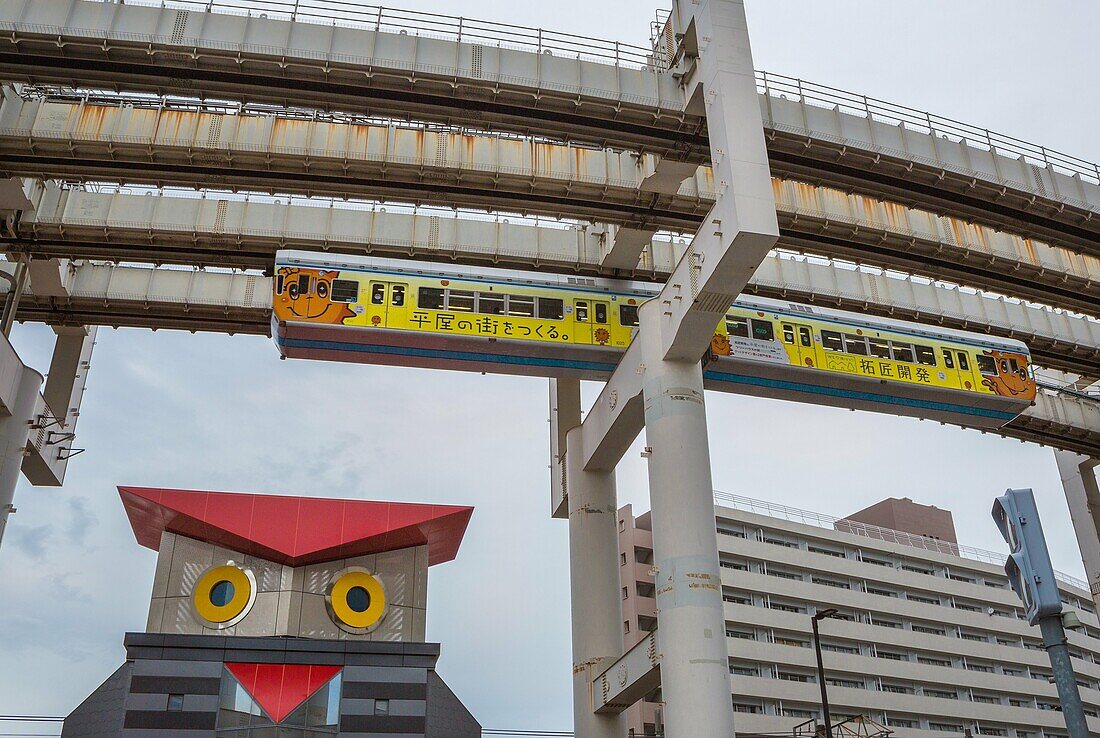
351 14
843 525
792 88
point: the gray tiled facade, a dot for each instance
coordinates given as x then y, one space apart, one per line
134 702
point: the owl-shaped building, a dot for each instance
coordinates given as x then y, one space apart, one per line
278 616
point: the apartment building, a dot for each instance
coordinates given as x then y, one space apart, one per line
928 640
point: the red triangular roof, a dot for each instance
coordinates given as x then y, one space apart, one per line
294 531
280 688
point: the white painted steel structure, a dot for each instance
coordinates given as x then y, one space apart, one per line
813 131
658 384
245 233
155 143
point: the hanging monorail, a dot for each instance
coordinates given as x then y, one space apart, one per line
385 311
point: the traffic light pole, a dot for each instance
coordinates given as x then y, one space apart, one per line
1031 575
1054 641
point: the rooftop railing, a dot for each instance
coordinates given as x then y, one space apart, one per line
819 520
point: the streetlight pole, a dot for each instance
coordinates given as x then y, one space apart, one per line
821 615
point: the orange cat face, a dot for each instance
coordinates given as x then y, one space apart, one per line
1012 379
303 294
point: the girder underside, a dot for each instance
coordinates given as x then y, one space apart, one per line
662 131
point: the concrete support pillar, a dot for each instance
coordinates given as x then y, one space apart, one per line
14 431
1083 495
695 680
594 584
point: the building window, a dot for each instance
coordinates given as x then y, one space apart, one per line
622 559
381 707
625 593
175 702
626 626
940 694
622 526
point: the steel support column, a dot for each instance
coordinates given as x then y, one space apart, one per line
695 679
14 432
1083 495
594 584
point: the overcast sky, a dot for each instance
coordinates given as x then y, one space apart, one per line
223 413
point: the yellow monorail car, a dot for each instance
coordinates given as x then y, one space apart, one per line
385 311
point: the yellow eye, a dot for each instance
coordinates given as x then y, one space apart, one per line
224 595
356 600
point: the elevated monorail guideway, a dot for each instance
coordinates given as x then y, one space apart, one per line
236 303
534 82
165 144
171 228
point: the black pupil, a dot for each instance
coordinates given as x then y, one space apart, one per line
358 599
221 593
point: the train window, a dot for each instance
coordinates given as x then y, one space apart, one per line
628 315
490 303
831 341
948 360
580 311
925 355
279 284
788 333
986 365
522 305
855 344
1014 366
430 298
804 336
880 347
762 330
551 308
345 290
902 352
460 300
377 293
397 295
963 363
303 284
601 312
737 326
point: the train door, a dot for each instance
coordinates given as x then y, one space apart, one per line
799 340
957 368
387 304
591 321
966 370
601 322
582 321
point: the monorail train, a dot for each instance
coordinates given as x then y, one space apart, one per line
386 311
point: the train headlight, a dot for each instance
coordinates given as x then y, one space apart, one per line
356 600
223 595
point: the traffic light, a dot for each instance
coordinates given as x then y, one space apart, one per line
1028 566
